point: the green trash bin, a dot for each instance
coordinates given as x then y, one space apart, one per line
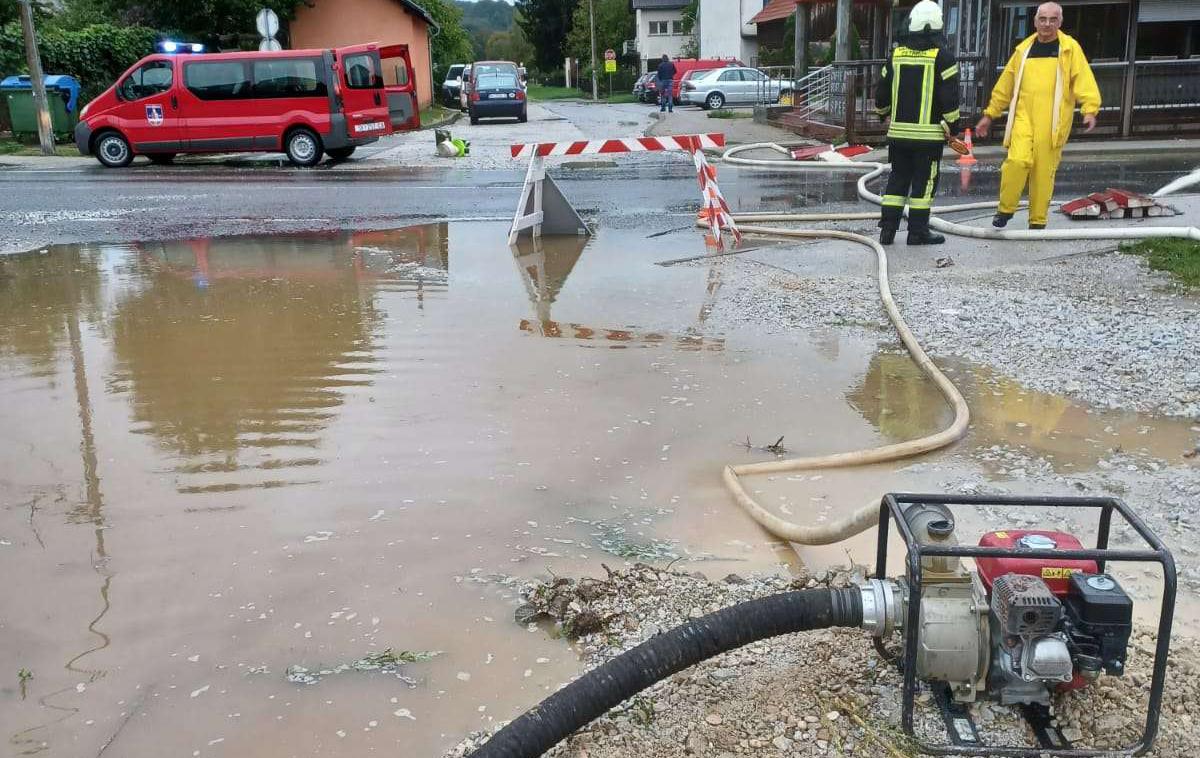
62 92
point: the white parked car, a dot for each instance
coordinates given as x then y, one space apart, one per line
735 85
452 85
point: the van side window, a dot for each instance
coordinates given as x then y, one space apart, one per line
284 77
151 79
361 73
218 80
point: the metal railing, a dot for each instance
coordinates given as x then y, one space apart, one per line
1165 92
811 93
777 82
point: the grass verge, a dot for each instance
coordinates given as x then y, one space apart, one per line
538 92
10 146
1178 256
436 115
726 113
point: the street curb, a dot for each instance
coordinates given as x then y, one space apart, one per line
454 116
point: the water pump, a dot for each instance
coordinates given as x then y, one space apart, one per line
1037 615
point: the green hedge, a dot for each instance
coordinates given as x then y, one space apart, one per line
95 55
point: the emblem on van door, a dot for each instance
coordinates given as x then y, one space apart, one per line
154 115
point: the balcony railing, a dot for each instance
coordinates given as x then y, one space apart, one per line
1166 93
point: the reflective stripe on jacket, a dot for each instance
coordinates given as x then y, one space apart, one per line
918 89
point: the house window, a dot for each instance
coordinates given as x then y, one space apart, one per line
658 28
677 28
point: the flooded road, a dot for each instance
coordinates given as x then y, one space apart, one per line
224 458
237 471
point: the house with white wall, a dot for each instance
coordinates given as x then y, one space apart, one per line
659 29
726 30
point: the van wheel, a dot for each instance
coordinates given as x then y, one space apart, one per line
161 159
523 117
303 147
714 101
474 120
340 153
112 150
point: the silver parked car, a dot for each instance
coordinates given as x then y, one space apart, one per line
735 86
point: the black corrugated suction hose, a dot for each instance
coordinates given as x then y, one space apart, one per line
546 724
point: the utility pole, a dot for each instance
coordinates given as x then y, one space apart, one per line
592 23
40 105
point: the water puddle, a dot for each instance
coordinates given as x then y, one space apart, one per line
903 404
227 460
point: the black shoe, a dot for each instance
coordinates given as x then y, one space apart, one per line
887 235
1000 220
924 237
1037 226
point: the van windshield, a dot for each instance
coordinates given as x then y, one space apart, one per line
454 72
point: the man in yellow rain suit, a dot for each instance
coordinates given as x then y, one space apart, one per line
1046 76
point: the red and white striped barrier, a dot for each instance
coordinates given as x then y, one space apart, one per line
687 142
715 210
543 208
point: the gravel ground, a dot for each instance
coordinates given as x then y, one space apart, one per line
1101 329
815 693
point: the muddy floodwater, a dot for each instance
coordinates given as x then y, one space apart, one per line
275 496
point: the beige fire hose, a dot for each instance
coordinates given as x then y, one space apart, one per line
867 516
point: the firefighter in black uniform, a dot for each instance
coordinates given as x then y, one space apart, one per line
919 91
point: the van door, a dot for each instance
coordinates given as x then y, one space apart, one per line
150 114
400 83
215 95
360 78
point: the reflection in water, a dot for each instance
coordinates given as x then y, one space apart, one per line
904 404
40 293
238 350
43 295
545 263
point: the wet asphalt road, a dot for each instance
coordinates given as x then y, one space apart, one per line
85 203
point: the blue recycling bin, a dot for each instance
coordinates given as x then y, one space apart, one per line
62 94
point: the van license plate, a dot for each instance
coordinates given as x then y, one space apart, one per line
369 127
499 97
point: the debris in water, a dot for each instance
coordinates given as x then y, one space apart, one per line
404 713
201 691
318 537
387 662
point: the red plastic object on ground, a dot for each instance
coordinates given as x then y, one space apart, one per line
1053 571
810 153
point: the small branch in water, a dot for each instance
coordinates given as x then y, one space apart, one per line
775 448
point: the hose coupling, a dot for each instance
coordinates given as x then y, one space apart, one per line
880 609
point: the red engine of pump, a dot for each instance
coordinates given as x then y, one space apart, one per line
1054 571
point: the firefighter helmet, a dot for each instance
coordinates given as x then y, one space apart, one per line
925 16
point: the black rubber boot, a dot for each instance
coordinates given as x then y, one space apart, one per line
924 237
889 222
1000 220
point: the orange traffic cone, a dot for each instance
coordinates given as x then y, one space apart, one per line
970 143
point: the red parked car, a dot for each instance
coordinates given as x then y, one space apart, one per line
684 65
300 102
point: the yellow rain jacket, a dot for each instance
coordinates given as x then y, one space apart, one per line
1074 84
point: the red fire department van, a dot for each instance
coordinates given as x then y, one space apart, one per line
301 102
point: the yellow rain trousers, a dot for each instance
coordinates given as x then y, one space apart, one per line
1033 157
